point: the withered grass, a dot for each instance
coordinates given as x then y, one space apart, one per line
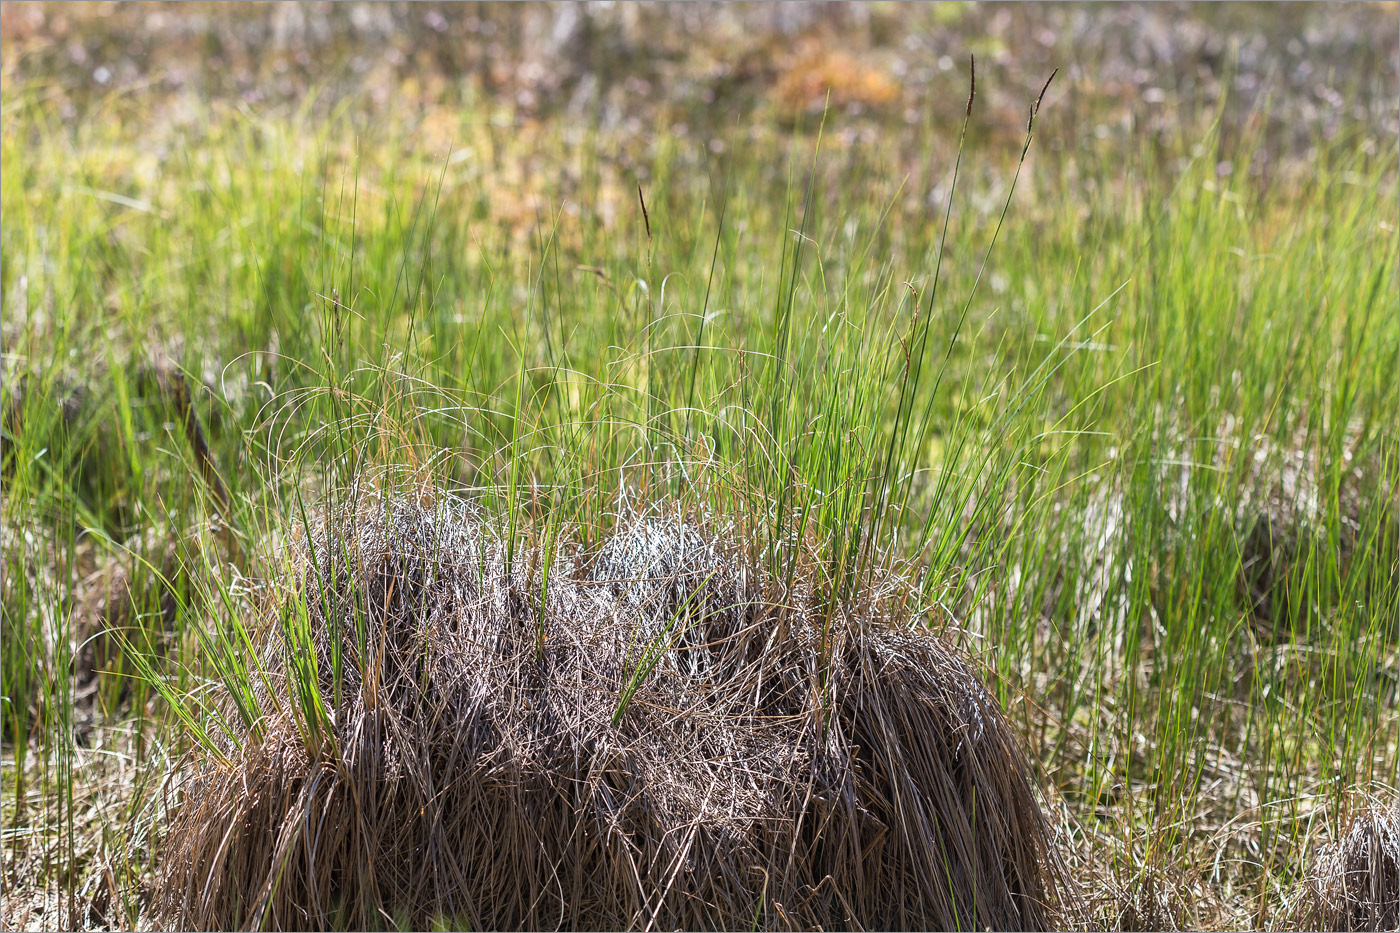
666 738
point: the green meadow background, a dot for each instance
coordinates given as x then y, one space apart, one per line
1119 392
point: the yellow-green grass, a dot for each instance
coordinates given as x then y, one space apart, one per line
1136 437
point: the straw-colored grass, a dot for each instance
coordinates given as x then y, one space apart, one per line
1355 882
660 737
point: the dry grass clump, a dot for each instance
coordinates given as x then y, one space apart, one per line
1141 898
651 735
1355 882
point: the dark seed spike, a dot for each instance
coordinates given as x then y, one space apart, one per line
645 219
1046 87
972 81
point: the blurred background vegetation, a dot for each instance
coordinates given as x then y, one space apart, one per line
697 70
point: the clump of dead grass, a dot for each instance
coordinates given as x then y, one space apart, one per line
1142 898
654 734
1355 882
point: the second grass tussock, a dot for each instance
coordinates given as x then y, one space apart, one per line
650 734
1355 882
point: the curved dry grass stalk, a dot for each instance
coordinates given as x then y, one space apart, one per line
659 738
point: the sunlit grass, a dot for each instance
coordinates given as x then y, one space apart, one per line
1142 448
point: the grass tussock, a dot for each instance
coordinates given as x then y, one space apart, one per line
1355 882
652 734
